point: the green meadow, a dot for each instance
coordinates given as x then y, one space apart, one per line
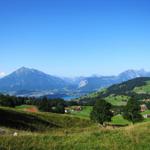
49 131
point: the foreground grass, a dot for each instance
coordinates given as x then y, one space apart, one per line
92 138
63 132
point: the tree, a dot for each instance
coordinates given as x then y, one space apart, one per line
132 110
51 105
101 112
44 104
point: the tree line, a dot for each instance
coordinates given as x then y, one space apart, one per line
45 104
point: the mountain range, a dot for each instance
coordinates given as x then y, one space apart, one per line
31 82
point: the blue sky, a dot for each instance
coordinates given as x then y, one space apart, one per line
75 37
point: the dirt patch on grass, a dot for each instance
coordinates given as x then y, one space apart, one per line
32 109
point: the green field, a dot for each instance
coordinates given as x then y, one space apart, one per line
119 120
84 113
143 89
86 110
146 112
49 131
119 100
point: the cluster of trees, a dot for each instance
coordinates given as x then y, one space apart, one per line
53 105
12 101
87 101
102 111
44 104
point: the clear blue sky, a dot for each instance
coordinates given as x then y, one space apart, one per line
75 37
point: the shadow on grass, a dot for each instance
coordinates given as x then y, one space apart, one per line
23 121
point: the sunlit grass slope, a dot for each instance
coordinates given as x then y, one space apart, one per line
93 138
38 121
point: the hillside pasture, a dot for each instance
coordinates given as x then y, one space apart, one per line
119 100
40 121
143 89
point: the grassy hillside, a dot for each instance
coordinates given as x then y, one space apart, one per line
64 132
145 89
13 118
120 93
91 138
117 100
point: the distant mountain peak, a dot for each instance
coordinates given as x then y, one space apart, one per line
28 79
131 74
23 69
131 71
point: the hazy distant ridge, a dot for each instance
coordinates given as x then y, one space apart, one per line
25 79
